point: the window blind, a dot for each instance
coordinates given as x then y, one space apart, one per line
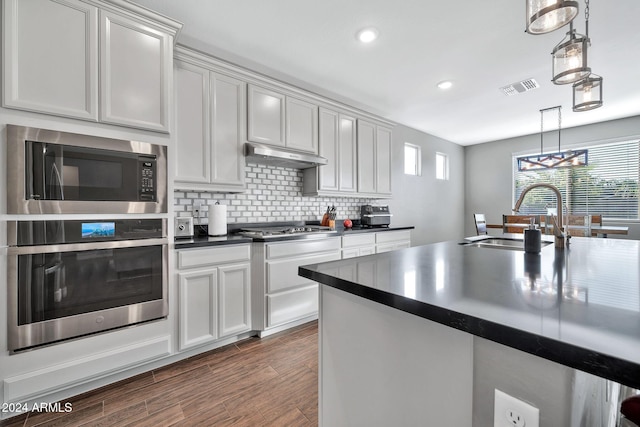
608 186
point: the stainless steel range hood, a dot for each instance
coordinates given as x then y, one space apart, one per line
280 156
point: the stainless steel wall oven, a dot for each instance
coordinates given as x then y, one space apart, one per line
71 278
60 172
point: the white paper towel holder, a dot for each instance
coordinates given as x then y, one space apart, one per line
217 228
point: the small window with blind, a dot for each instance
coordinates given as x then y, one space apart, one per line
607 186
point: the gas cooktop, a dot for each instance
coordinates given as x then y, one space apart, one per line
298 231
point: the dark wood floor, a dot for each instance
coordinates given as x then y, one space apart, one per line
256 382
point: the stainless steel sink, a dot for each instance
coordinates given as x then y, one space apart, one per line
500 243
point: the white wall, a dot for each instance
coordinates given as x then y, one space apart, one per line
489 167
435 208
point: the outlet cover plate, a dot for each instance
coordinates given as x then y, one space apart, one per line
511 412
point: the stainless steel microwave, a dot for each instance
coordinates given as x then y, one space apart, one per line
51 172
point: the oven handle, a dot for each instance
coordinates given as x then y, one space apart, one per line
75 247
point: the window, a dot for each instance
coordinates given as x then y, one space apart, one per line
607 186
412 160
442 166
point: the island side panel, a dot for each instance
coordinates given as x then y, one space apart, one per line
380 366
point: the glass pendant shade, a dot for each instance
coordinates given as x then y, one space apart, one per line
587 94
544 16
570 59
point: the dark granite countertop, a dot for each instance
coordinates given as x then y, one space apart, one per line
579 307
230 239
359 229
202 241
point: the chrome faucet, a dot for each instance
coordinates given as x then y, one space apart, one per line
557 228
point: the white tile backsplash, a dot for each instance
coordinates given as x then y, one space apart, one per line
273 194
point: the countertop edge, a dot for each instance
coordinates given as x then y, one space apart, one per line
205 241
232 239
590 361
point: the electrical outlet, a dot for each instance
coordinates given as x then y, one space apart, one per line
511 412
196 210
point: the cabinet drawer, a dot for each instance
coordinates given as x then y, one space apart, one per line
190 258
284 249
283 274
288 306
393 236
364 239
359 240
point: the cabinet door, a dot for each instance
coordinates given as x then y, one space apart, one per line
301 125
198 299
227 130
192 152
266 116
347 154
291 305
234 298
136 64
329 148
383 160
366 157
50 57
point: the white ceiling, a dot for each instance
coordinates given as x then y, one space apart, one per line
422 42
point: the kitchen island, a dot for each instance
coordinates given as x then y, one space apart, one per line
408 333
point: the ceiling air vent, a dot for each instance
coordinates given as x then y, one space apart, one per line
519 87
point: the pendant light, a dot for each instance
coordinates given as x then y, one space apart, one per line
544 16
570 58
555 160
587 93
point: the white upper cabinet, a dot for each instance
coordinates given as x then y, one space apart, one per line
366 157
278 119
210 126
347 154
193 147
135 68
228 124
329 174
91 60
266 116
374 159
337 143
383 160
51 57
302 125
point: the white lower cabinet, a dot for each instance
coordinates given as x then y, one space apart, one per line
214 293
391 240
358 245
280 297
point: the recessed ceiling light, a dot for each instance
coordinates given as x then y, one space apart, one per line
445 84
367 35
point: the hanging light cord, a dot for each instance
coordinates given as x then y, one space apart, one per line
559 108
541 131
586 17
560 123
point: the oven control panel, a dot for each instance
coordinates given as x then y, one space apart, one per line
31 233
